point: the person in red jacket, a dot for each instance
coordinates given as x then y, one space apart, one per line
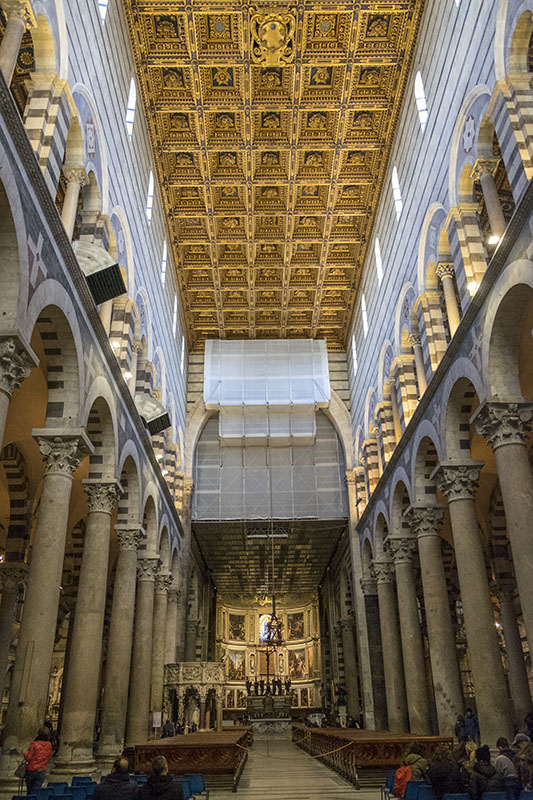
37 757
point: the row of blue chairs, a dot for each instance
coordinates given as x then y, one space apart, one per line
421 790
83 787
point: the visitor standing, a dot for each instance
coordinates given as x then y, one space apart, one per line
472 727
37 757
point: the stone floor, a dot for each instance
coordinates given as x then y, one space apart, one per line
278 769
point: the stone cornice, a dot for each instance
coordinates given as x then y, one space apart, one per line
494 268
24 150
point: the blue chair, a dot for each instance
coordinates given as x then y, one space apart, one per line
186 787
81 780
494 796
524 794
78 792
197 784
387 790
43 793
464 796
140 779
412 790
59 787
426 793
90 787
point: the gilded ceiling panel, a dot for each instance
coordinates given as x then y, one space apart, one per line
271 127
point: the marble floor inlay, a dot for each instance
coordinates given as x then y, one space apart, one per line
277 768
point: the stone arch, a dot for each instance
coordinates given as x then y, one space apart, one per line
164 545
340 417
428 248
174 562
367 552
400 476
381 531
370 408
149 517
14 242
506 334
44 47
463 151
129 506
461 403
196 420
102 431
425 459
52 313
386 358
400 502
512 48
95 153
403 319
160 373
119 222
145 320
19 526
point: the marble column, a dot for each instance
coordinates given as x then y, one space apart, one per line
516 664
76 178
202 693
446 273
82 690
403 550
18 19
347 631
416 343
16 361
117 672
458 482
186 509
220 710
162 583
483 171
171 624
425 523
62 454
395 411
370 594
135 350
12 576
505 425
383 571
138 725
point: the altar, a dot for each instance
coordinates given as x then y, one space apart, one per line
269 714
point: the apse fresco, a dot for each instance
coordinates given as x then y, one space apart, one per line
295 626
304 697
236 627
236 669
297 665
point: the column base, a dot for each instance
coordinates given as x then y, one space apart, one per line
67 770
9 784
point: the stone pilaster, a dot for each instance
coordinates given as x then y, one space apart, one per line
347 635
138 725
458 482
505 425
425 524
81 694
12 577
117 673
383 572
403 550
162 585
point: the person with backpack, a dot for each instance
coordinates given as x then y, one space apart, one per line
414 768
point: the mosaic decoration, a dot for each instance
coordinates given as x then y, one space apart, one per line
281 119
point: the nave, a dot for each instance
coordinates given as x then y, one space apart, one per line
279 769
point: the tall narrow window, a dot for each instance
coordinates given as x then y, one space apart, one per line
354 355
150 196
164 262
182 360
175 315
130 109
396 193
364 315
379 263
102 8
421 102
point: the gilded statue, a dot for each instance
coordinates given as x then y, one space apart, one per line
273 37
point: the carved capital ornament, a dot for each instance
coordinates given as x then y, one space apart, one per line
425 520
62 455
129 538
15 365
382 571
503 423
102 495
402 549
458 481
148 569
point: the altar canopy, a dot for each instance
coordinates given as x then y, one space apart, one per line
266 390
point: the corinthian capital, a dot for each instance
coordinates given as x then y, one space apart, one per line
12 575
15 364
484 166
458 481
129 538
502 423
102 496
20 9
425 520
174 593
76 175
382 571
62 454
162 583
445 270
368 585
148 569
401 548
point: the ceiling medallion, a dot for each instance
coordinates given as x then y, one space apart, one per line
273 37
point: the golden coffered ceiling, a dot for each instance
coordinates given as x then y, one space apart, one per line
271 128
